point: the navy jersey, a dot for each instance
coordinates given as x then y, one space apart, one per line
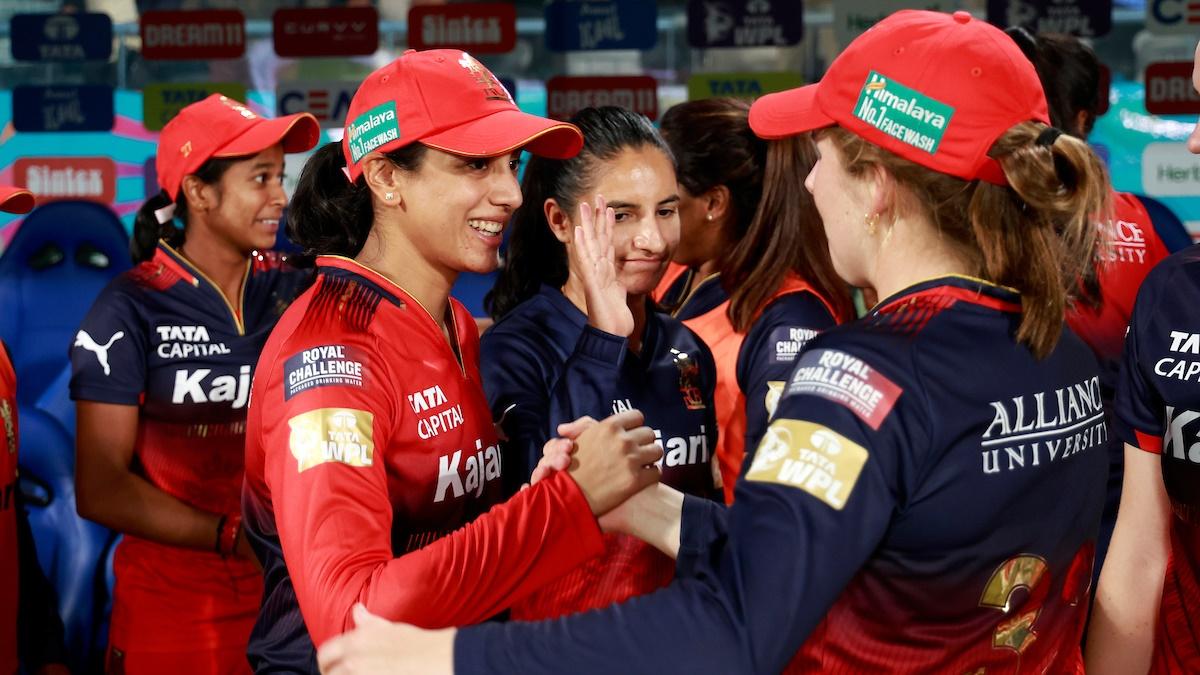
163 337
924 500
1158 410
543 365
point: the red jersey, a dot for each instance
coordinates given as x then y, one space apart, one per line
9 560
370 451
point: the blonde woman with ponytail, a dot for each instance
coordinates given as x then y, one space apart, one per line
927 495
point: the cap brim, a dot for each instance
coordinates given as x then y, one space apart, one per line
788 113
506 130
16 200
298 133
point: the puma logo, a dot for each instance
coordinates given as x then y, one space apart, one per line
82 339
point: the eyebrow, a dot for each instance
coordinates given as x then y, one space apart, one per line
264 165
672 198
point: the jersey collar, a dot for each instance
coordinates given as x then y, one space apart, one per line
955 287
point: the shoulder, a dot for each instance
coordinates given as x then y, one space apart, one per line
1176 277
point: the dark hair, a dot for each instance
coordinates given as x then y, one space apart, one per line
147 231
330 215
1070 75
534 255
1036 234
713 145
785 235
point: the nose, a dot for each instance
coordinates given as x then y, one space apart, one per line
506 191
1193 141
649 235
279 196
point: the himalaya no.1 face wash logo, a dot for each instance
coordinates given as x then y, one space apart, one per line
372 129
903 113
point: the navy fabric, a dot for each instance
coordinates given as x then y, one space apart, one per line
1168 225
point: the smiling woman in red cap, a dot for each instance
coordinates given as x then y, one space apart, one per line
161 371
371 452
927 494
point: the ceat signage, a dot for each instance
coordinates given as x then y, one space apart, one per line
327 101
204 34
330 31
61 37
1169 89
566 96
745 23
57 178
1173 16
476 27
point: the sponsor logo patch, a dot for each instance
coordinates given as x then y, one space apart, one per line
321 367
788 341
903 113
848 380
373 129
810 457
339 435
774 393
689 380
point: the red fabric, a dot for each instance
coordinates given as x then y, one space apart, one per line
1177 636
375 531
9 558
224 661
725 343
1134 248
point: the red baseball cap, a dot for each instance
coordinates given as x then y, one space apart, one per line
219 126
447 100
15 199
936 89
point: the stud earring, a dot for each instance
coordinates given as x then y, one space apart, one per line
389 196
872 220
709 216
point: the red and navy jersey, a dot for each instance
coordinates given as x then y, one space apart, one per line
1158 410
752 367
9 559
543 365
370 456
924 500
164 337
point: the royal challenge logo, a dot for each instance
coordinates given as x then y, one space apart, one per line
903 113
373 129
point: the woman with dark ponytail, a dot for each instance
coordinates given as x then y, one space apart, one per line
373 468
927 495
559 351
753 276
161 379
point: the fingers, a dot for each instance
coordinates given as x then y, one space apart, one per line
628 419
648 453
647 476
364 617
572 430
642 435
331 654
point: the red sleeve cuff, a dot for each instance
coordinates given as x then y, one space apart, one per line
582 522
1148 442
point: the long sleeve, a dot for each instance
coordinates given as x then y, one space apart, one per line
39 628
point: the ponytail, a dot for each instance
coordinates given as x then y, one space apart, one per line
1037 234
147 231
330 215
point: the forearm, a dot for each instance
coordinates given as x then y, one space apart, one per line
126 502
1121 632
652 515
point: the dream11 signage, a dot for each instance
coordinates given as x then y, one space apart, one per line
187 35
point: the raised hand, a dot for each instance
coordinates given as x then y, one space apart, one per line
605 295
614 459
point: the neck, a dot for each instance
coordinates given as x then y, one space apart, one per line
705 270
401 263
904 261
223 264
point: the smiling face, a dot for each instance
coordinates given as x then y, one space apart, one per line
249 201
456 208
639 184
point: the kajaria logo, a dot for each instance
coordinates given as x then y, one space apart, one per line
810 457
340 435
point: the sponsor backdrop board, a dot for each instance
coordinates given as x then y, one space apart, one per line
328 101
1169 89
852 17
58 178
86 107
1085 18
161 102
745 23
61 37
1173 16
747 86
566 96
478 27
333 31
193 35
600 24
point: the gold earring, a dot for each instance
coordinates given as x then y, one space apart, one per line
872 220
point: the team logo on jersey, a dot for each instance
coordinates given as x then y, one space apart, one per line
689 380
341 435
323 366
788 341
810 457
82 339
10 426
848 380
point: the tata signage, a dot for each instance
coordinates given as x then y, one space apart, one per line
1169 89
1085 18
332 31
73 108
327 101
162 102
61 37
1173 16
478 27
206 34
740 85
745 23
566 96
601 24
54 178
